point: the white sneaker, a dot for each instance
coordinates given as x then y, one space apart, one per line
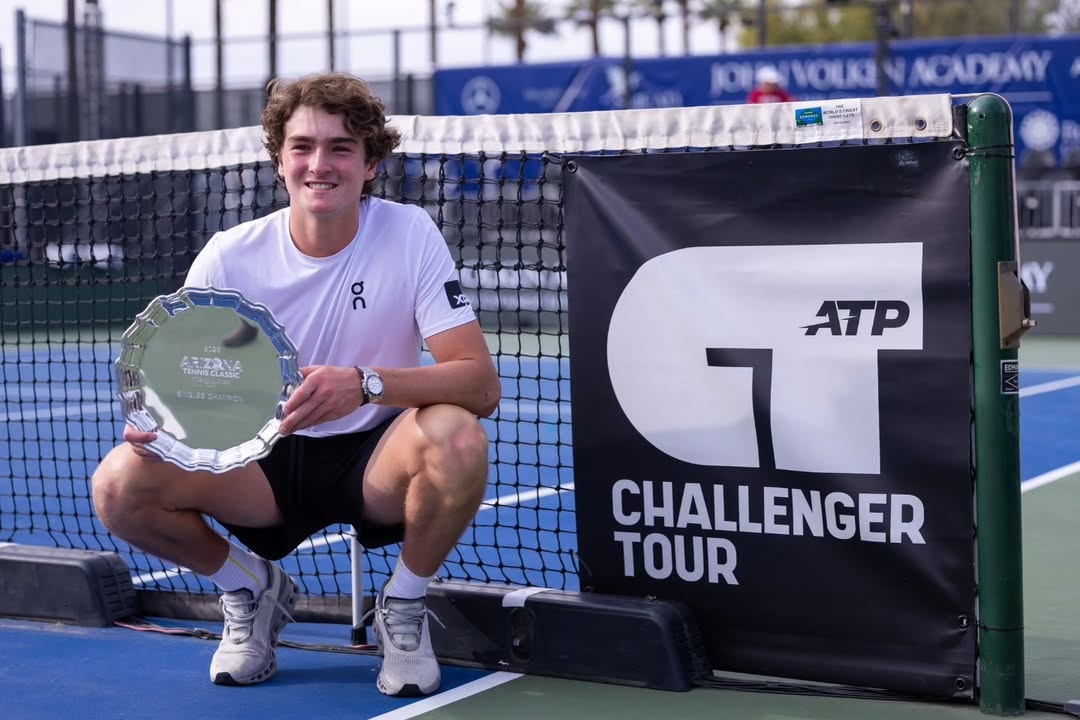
409 667
247 653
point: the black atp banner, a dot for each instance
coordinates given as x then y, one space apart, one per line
770 361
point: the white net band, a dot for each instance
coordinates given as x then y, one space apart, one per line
863 119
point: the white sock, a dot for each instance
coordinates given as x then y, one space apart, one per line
405 584
241 570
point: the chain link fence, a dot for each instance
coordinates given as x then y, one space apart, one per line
83 82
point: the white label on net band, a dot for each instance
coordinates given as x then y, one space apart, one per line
517 598
827 119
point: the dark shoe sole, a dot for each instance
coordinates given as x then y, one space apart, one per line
288 603
409 690
227 680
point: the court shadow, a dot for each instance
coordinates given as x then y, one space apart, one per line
331 671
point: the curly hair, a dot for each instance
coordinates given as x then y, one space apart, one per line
363 113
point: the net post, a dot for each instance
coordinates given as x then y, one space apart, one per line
21 127
356 557
996 410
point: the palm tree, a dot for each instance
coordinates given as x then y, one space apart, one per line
589 12
1066 18
723 12
516 17
685 17
655 10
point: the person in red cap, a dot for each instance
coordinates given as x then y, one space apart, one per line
769 88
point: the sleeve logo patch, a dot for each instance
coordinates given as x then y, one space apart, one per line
457 298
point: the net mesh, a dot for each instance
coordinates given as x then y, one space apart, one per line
90 233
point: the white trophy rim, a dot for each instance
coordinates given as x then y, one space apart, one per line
132 385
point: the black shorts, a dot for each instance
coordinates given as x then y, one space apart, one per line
317 482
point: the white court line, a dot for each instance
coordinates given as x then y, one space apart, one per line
450 696
325 540
516 498
1062 472
159 575
543 408
308 544
1053 476
1050 386
58 412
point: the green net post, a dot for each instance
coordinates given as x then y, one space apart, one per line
998 319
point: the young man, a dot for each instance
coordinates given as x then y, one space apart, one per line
371 438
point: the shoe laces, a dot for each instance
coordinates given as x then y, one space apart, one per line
404 621
240 607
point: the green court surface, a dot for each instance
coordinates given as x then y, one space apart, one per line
531 698
1049 352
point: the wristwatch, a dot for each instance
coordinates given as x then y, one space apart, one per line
372 385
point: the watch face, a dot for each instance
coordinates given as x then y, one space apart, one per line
374 384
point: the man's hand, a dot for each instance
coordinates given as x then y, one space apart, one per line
327 393
138 440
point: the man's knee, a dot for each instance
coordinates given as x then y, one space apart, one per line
454 434
114 487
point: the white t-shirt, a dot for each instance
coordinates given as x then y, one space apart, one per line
371 304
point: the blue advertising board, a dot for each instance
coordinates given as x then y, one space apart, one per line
1039 76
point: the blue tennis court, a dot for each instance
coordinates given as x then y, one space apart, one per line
62 425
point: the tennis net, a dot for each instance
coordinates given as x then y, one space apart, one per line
91 232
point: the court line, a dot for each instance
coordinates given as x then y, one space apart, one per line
517 498
1050 386
450 696
332 538
63 411
309 544
545 408
1049 477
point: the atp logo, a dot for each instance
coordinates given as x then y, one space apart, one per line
887 314
713 361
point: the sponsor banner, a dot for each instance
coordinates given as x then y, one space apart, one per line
1036 75
1049 268
496 89
770 397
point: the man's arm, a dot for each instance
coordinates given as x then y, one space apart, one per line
463 375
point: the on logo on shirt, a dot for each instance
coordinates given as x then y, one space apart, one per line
358 295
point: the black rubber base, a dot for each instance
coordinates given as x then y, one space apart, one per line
81 587
581 636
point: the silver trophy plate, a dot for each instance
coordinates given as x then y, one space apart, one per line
209 372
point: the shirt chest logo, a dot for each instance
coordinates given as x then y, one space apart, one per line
358 295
